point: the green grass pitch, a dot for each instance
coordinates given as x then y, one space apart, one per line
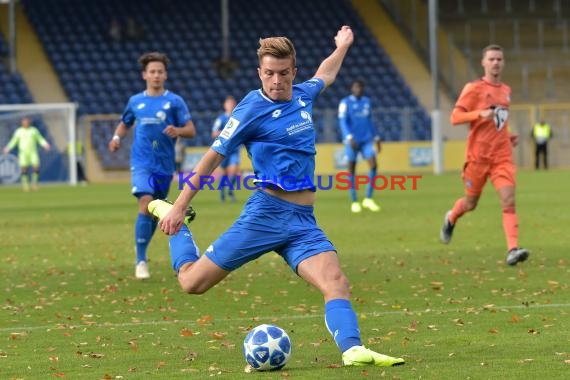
71 308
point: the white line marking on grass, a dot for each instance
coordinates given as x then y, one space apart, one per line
63 326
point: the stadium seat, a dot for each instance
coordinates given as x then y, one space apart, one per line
88 62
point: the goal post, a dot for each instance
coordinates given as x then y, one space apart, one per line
57 123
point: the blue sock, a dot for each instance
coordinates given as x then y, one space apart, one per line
232 179
144 229
352 188
369 188
342 324
183 249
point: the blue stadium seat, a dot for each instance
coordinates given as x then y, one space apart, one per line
103 74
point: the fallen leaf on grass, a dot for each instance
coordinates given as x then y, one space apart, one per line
160 364
526 361
436 285
458 322
17 335
217 335
205 319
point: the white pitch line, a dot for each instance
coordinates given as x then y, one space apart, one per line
63 326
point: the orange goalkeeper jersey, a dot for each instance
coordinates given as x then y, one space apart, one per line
488 140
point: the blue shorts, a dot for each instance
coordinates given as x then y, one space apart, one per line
146 182
231 159
267 224
366 149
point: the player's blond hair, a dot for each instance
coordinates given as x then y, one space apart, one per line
154 56
491 47
278 47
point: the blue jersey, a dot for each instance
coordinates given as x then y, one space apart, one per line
355 118
153 149
279 136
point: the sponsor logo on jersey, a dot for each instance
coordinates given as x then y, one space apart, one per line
501 115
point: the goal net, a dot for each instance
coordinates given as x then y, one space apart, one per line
57 124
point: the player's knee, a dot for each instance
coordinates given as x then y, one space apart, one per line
508 202
337 286
470 205
192 287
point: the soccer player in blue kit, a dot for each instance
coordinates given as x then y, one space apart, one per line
275 125
359 135
159 116
230 164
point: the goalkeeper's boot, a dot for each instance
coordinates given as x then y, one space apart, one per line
361 356
160 207
370 204
355 207
446 229
517 255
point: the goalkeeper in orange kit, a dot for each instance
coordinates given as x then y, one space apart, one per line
484 104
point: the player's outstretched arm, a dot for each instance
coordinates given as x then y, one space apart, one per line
172 222
12 143
330 66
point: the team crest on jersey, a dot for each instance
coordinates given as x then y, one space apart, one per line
501 115
229 128
161 115
166 105
307 116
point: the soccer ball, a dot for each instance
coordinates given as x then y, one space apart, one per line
267 348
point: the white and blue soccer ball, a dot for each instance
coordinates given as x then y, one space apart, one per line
267 348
